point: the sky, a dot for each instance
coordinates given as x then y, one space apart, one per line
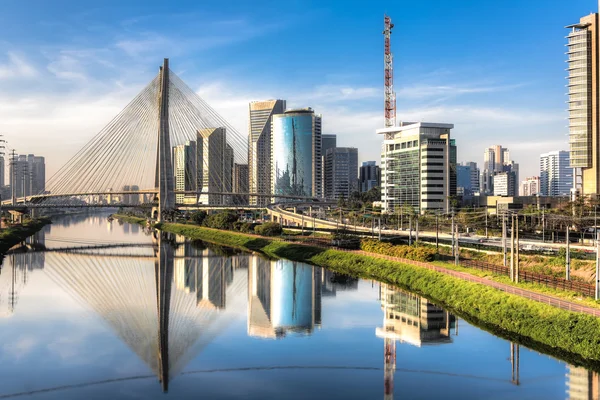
494 69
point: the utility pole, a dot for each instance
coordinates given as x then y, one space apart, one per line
543 225
302 224
437 233
597 296
457 252
401 218
379 229
452 230
486 222
568 257
517 250
417 228
512 249
504 238
409 229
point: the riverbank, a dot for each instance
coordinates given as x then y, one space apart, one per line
572 336
17 233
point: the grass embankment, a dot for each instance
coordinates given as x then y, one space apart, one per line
17 233
573 337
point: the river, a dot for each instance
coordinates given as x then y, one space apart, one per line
96 309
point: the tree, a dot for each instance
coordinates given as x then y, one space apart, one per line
222 220
268 229
199 216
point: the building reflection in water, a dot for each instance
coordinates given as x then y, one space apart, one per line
582 384
409 318
283 296
15 270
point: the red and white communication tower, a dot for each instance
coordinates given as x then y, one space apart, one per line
388 68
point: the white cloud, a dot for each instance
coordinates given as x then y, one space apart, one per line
423 91
17 67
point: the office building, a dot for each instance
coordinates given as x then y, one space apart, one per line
583 80
418 167
369 176
556 174
467 177
27 175
328 142
340 172
259 147
240 184
505 184
215 166
185 168
296 154
530 186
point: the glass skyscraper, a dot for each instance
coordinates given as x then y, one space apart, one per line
296 154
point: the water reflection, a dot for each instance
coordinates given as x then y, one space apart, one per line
168 299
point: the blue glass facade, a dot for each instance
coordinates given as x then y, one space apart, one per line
296 154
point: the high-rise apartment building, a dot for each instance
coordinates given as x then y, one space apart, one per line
556 174
340 172
369 176
259 147
215 165
530 186
240 183
27 175
418 166
584 79
296 154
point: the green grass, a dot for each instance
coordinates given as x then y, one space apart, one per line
17 233
574 337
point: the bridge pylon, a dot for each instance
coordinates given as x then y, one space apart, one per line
164 180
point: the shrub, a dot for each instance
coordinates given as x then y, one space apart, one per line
268 229
402 251
199 216
222 220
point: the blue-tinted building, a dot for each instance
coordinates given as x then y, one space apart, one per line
296 153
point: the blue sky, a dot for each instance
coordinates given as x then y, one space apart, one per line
493 68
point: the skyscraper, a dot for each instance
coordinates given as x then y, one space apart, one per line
467 178
216 165
556 175
418 166
340 172
259 147
185 169
369 176
495 159
584 78
240 183
328 141
296 153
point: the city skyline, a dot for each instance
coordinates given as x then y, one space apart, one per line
63 75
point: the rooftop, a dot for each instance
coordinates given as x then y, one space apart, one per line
412 125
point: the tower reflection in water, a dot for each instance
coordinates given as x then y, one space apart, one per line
15 274
582 384
409 318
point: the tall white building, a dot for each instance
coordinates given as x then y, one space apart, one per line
418 167
556 174
505 184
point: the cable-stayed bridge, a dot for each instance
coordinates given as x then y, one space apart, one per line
167 148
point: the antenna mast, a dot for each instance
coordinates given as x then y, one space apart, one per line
388 74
